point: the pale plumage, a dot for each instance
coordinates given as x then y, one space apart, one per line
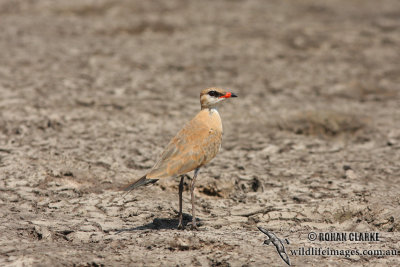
196 144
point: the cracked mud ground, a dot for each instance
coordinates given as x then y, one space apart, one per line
92 91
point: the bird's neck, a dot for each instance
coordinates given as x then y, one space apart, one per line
211 110
210 117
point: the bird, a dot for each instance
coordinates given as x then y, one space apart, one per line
195 145
280 248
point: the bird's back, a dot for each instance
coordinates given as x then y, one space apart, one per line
195 145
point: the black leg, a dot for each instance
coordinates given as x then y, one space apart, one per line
180 225
194 226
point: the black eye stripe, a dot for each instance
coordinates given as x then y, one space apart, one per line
214 93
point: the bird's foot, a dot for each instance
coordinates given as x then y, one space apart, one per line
180 226
193 225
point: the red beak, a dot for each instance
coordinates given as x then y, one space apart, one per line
228 95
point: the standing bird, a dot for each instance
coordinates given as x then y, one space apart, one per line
196 144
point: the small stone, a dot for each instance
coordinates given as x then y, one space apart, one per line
350 174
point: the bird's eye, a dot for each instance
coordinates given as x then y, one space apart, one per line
213 93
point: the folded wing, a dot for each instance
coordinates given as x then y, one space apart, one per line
195 145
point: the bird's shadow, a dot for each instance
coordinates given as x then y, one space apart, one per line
162 224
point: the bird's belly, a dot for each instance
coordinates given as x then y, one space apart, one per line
212 145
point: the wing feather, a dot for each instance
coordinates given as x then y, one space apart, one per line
195 145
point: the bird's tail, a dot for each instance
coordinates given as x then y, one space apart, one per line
140 182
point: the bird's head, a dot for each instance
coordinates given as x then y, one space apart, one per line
210 97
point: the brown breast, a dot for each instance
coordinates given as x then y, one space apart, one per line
194 146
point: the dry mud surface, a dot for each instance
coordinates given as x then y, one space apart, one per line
91 92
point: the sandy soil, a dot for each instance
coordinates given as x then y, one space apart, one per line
91 92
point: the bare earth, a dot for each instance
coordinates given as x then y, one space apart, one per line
92 91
